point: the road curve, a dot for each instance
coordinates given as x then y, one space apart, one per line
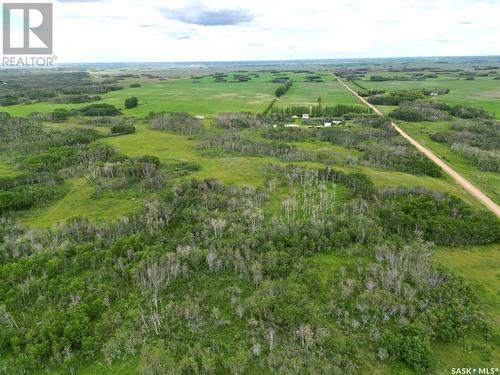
462 181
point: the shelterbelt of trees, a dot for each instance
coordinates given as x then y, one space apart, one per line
215 278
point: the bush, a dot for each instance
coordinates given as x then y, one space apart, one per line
100 110
61 115
421 111
441 219
131 102
469 112
402 158
179 122
28 196
411 344
122 129
241 120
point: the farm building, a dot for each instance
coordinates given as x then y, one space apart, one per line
305 116
337 122
327 124
292 126
198 117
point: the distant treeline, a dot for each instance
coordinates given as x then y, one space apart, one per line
320 110
62 87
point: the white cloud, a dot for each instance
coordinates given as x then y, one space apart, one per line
213 30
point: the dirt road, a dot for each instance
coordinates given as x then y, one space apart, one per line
462 181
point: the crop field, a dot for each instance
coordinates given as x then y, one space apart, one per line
164 220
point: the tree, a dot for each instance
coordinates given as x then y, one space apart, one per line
131 102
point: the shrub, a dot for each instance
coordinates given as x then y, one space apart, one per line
469 112
411 345
241 120
441 219
421 111
123 129
131 102
100 110
61 115
179 122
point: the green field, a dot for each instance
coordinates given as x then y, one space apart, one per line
207 98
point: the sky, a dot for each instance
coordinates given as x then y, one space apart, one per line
230 30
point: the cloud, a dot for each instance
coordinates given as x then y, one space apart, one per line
197 30
198 15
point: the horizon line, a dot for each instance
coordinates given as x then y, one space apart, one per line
279 60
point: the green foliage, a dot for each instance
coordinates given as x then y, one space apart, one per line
26 87
123 129
25 197
281 90
61 115
441 219
132 102
411 345
402 158
318 111
178 122
241 120
421 111
469 112
315 271
399 96
100 110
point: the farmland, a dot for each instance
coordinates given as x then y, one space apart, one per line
195 233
